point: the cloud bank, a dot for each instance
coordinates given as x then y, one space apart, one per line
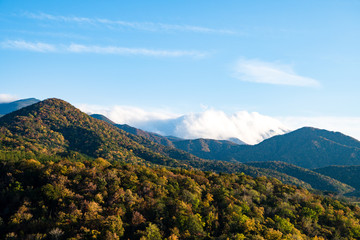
270 73
143 26
80 48
250 128
5 98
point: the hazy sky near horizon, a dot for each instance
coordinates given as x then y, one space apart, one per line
279 58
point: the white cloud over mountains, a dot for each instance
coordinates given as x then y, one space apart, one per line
95 49
250 128
270 73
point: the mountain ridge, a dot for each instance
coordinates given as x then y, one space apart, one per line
54 126
305 147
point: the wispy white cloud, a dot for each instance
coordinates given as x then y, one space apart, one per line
4 98
248 127
144 26
270 73
28 46
80 48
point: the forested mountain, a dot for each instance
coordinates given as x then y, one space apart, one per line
6 108
66 175
346 174
206 148
306 147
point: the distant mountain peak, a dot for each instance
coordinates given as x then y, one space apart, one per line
9 107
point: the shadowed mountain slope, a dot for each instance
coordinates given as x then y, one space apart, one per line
346 174
6 108
306 147
315 179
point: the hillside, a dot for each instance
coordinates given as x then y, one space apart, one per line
316 179
346 174
206 148
95 199
6 108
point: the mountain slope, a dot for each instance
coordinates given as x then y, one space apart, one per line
6 108
205 148
346 174
314 178
306 147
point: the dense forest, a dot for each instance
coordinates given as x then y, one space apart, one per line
96 199
66 175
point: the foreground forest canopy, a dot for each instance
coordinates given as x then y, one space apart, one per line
94 199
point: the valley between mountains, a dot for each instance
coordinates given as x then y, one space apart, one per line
68 175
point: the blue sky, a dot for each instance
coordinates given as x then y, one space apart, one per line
280 58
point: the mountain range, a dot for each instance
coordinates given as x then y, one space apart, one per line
305 147
63 130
